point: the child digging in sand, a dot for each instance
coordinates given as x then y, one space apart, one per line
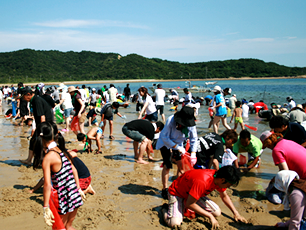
237 114
93 134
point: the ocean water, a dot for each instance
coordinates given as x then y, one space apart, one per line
268 90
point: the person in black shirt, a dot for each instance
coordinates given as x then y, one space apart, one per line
42 112
142 131
290 130
211 149
127 92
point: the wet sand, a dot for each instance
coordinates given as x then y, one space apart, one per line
127 194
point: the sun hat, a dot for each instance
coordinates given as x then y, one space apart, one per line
61 86
97 110
185 116
71 89
217 88
93 89
299 106
265 135
202 98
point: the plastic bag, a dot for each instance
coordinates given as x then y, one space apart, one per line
75 124
53 203
242 160
186 162
58 116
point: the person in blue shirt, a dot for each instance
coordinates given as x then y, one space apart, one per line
221 111
177 129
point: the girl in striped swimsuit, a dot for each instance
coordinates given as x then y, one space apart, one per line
57 166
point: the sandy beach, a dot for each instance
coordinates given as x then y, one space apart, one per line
127 194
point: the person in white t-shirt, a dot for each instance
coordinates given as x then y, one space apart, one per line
112 91
67 104
83 94
245 109
291 103
148 105
160 96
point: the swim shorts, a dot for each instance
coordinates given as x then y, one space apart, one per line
99 131
238 120
84 182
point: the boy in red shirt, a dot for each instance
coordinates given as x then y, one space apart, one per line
190 191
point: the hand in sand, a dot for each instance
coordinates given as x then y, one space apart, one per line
240 218
82 195
214 223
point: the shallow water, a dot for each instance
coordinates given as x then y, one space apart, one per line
14 145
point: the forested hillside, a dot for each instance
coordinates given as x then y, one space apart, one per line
32 66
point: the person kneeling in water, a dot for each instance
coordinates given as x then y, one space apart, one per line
190 191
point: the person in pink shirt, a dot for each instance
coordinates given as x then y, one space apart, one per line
287 155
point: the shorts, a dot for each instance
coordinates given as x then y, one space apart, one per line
152 116
109 118
93 103
176 206
133 134
82 119
94 121
222 116
139 106
67 112
99 131
160 108
167 156
238 120
84 182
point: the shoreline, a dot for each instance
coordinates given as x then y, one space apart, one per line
157 80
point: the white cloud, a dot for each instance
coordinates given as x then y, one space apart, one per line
180 48
72 23
257 40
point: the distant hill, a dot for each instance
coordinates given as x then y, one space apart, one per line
32 66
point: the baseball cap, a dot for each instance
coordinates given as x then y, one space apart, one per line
217 88
265 135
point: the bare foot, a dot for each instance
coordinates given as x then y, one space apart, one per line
142 162
26 162
91 190
150 158
31 190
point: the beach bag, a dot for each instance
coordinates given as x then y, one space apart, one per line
75 124
53 203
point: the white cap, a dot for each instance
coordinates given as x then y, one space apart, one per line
217 88
93 89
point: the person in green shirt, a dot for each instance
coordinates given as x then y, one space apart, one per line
251 144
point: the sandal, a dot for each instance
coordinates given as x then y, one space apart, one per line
111 137
98 152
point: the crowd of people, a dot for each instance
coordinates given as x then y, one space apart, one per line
204 163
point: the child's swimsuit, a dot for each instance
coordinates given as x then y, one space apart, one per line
238 120
63 181
99 131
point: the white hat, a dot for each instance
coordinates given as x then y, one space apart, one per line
61 86
234 95
217 88
93 89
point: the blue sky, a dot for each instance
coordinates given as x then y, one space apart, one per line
184 31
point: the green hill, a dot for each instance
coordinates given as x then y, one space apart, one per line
31 66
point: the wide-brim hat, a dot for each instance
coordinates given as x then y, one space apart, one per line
185 116
61 86
71 89
97 110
